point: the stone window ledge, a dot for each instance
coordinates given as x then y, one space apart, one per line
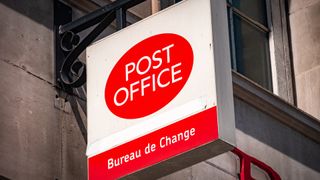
273 105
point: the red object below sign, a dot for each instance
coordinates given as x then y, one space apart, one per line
245 166
160 145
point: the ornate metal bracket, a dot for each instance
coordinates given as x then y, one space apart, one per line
72 72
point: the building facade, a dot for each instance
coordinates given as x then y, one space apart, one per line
275 54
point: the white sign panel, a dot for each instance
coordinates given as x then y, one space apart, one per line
159 88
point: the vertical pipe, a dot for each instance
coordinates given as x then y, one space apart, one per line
121 19
155 6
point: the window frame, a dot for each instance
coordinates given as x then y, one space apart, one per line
279 51
258 26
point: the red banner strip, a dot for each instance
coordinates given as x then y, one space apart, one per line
155 147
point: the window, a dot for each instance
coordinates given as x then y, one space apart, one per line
249 34
166 3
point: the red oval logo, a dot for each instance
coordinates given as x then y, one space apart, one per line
149 76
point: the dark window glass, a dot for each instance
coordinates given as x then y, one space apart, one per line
166 3
252 52
255 9
249 37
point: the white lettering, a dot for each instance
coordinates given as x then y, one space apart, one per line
173 73
159 76
116 102
182 136
110 163
148 67
156 59
167 48
144 85
132 90
154 77
114 162
129 71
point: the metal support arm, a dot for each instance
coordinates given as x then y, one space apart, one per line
72 72
97 15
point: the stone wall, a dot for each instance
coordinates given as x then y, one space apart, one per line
37 139
304 17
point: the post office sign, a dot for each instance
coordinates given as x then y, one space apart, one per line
159 93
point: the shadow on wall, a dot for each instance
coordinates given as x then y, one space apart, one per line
271 132
35 10
4 178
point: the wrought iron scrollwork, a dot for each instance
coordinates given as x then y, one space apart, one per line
73 71
69 41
